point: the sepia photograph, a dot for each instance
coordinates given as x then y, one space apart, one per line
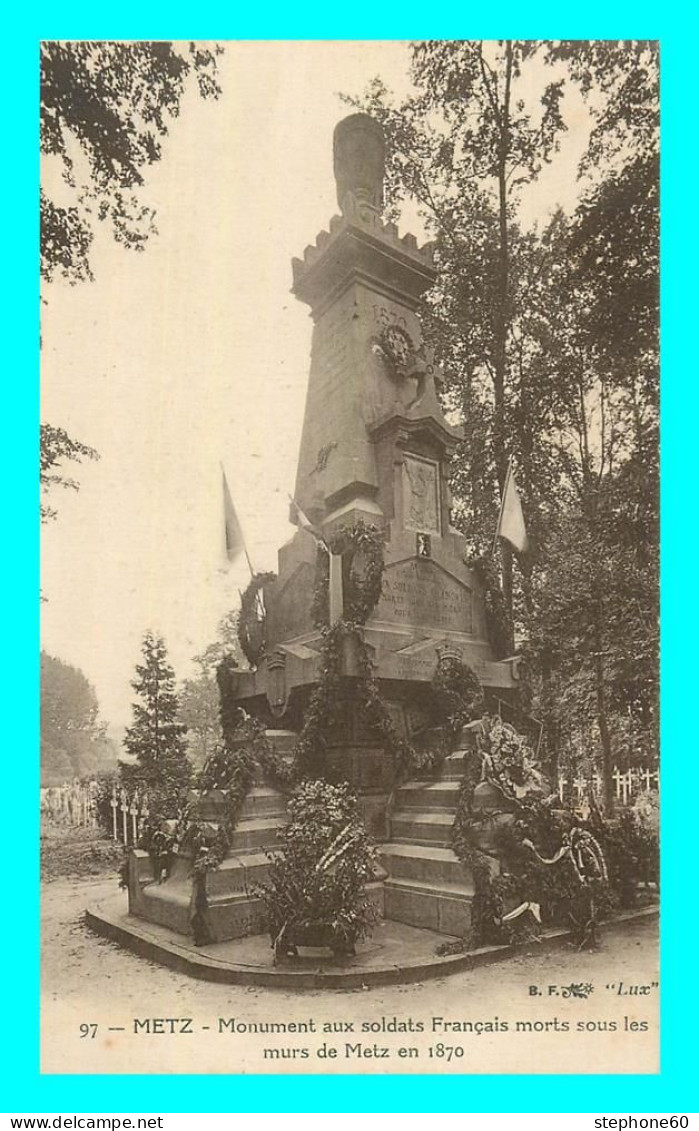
349 454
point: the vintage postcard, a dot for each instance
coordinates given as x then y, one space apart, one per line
349 462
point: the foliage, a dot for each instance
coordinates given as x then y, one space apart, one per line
200 714
309 751
156 738
577 872
200 702
319 878
226 646
456 694
361 588
73 740
232 772
547 339
631 847
498 622
251 618
56 446
105 108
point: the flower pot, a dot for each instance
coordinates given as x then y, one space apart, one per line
318 935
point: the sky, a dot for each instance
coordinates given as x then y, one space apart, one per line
194 354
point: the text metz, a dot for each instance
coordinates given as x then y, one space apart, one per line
162 1025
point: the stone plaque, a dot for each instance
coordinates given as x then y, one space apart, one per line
420 592
420 495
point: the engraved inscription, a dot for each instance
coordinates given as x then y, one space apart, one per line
419 592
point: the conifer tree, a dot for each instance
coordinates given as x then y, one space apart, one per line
156 738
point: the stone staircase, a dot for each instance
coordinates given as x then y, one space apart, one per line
233 911
427 885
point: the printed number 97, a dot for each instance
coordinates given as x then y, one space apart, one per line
88 1030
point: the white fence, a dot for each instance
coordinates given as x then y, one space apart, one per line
628 784
75 804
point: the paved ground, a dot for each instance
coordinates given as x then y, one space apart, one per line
485 1020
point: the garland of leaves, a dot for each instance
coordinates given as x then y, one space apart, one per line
361 591
491 891
231 769
457 694
251 626
310 750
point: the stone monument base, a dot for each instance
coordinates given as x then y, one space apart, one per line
420 883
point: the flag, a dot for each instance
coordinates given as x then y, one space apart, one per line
304 523
235 543
511 522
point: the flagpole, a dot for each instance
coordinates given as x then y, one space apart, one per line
502 502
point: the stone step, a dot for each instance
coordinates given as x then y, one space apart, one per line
250 832
427 863
446 909
428 795
422 826
230 915
261 801
238 873
168 903
257 832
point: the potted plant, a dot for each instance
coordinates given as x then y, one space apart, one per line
315 892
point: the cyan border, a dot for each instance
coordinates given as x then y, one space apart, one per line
26 1090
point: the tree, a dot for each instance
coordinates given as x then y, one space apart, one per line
548 342
156 738
73 742
594 630
200 699
200 713
104 108
462 147
56 446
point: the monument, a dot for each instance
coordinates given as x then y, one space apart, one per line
374 455
375 448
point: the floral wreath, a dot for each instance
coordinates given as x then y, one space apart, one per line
361 591
252 618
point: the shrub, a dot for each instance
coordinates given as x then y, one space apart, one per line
318 880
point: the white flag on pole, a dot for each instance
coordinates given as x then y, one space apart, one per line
301 520
511 522
234 541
